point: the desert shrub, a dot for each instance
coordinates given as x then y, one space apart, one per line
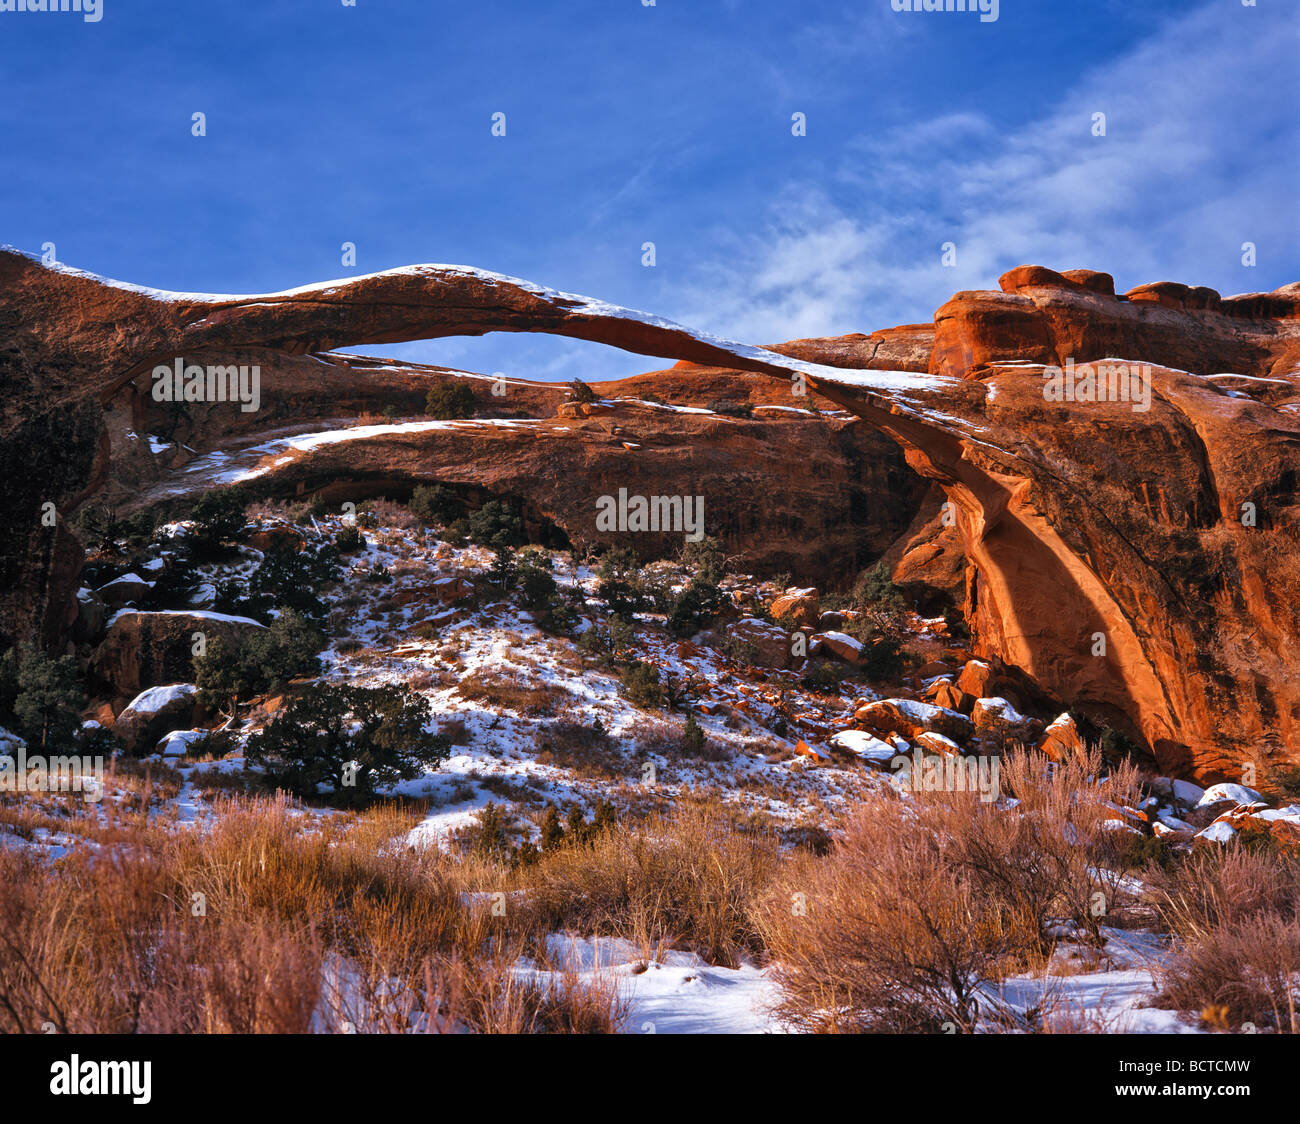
579 391
1134 851
924 901
882 651
503 573
436 505
506 691
46 696
639 683
581 832
1236 918
104 941
266 659
733 409
706 559
551 829
377 513
596 643
351 738
696 606
584 747
823 675
875 589
1239 977
882 659
694 739
349 540
537 588
607 645
488 837
218 518
1059 846
619 585
688 877
101 526
884 934
1222 890
285 579
1115 745
738 651
450 400
174 585
496 525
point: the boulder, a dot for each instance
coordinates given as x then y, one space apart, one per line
975 678
933 742
154 712
799 606
1286 832
129 589
1218 832
92 614
865 746
142 649
997 714
1061 739
1238 793
837 646
933 668
453 588
911 718
945 693
803 749
177 743
770 642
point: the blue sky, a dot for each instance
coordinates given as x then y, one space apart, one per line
670 124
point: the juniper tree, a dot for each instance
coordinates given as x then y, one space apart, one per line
49 698
351 738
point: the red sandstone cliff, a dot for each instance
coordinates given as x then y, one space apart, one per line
1081 520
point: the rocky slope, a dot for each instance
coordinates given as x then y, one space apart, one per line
1141 565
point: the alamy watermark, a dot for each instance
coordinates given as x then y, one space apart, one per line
987 9
92 11
652 513
183 382
1099 382
59 773
946 772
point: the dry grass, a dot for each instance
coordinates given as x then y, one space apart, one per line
391 515
925 900
1236 915
687 878
498 690
272 921
576 745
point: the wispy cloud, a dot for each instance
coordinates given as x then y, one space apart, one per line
1194 163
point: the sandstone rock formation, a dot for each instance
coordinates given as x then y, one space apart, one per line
143 649
1141 564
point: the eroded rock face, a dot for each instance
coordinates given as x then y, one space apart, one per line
1140 565
835 492
786 492
143 649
